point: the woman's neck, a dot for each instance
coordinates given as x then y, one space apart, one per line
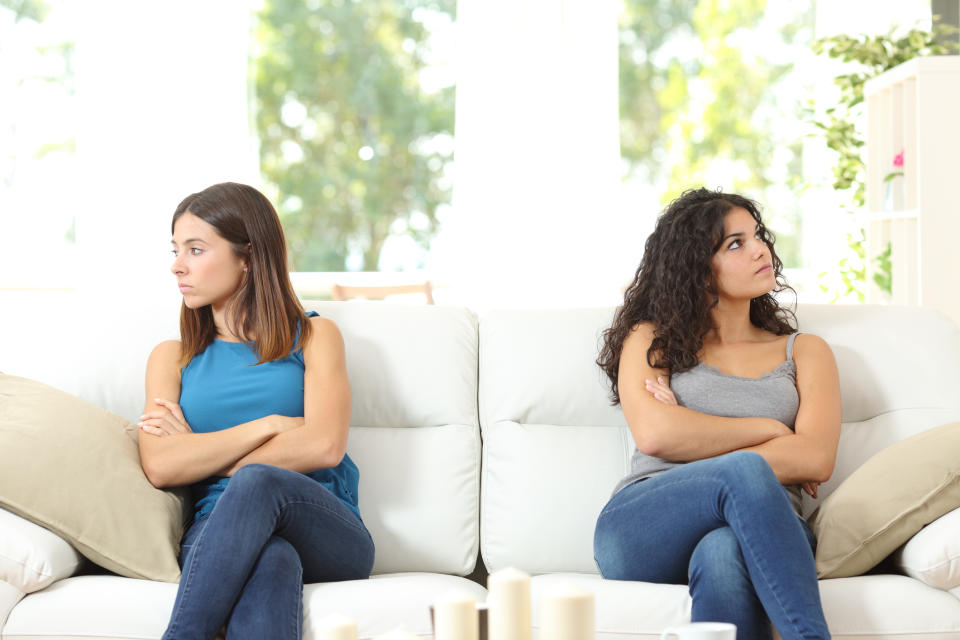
219 312
731 321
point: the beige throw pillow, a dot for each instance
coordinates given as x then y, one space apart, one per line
74 468
887 500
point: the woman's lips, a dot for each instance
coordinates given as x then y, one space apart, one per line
764 269
184 288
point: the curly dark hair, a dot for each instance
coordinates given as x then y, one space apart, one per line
675 288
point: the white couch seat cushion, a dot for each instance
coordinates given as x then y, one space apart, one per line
112 607
385 602
93 608
889 607
877 607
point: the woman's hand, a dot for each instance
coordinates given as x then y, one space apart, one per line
810 487
660 389
165 421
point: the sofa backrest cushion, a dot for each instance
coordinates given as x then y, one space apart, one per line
554 448
553 445
414 426
414 431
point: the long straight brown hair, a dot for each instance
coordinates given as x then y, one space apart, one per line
264 305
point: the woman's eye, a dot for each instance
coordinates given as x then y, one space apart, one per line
174 252
734 245
195 251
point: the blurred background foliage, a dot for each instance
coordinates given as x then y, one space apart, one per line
696 97
358 149
354 144
842 126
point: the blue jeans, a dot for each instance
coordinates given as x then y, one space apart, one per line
244 565
725 526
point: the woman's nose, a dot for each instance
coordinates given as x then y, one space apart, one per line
177 266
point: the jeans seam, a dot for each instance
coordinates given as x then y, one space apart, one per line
298 606
764 570
174 619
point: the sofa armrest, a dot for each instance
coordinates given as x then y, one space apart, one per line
933 554
32 557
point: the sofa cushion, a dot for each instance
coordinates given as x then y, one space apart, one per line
32 557
111 607
878 607
886 501
75 469
933 555
553 446
414 431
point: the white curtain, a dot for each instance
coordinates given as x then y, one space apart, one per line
163 90
536 193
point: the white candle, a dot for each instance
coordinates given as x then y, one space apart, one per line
508 602
566 613
455 618
336 627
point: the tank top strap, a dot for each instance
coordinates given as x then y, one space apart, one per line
790 340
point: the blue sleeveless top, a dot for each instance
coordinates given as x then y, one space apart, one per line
220 388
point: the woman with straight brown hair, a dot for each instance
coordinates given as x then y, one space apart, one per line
251 409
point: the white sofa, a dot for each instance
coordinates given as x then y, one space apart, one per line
427 383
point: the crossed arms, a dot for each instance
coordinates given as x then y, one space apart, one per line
173 455
666 430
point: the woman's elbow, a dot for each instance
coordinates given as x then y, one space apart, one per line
156 477
649 439
650 446
330 454
156 474
823 470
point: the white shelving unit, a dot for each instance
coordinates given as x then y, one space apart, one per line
914 108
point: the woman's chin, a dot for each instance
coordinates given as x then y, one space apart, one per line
192 302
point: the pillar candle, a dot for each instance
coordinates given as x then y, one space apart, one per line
508 601
336 627
566 613
455 618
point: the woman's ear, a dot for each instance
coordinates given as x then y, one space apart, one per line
246 258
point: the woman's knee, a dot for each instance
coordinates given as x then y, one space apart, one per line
748 471
717 561
257 474
279 556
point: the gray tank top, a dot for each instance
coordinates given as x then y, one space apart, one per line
707 390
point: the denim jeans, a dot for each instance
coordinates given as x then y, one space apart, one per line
244 565
725 526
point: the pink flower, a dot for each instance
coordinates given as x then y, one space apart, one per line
898 159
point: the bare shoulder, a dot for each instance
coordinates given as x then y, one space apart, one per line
634 360
640 336
325 340
163 368
323 329
811 345
810 351
167 353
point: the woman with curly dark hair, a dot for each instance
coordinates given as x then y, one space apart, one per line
732 413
